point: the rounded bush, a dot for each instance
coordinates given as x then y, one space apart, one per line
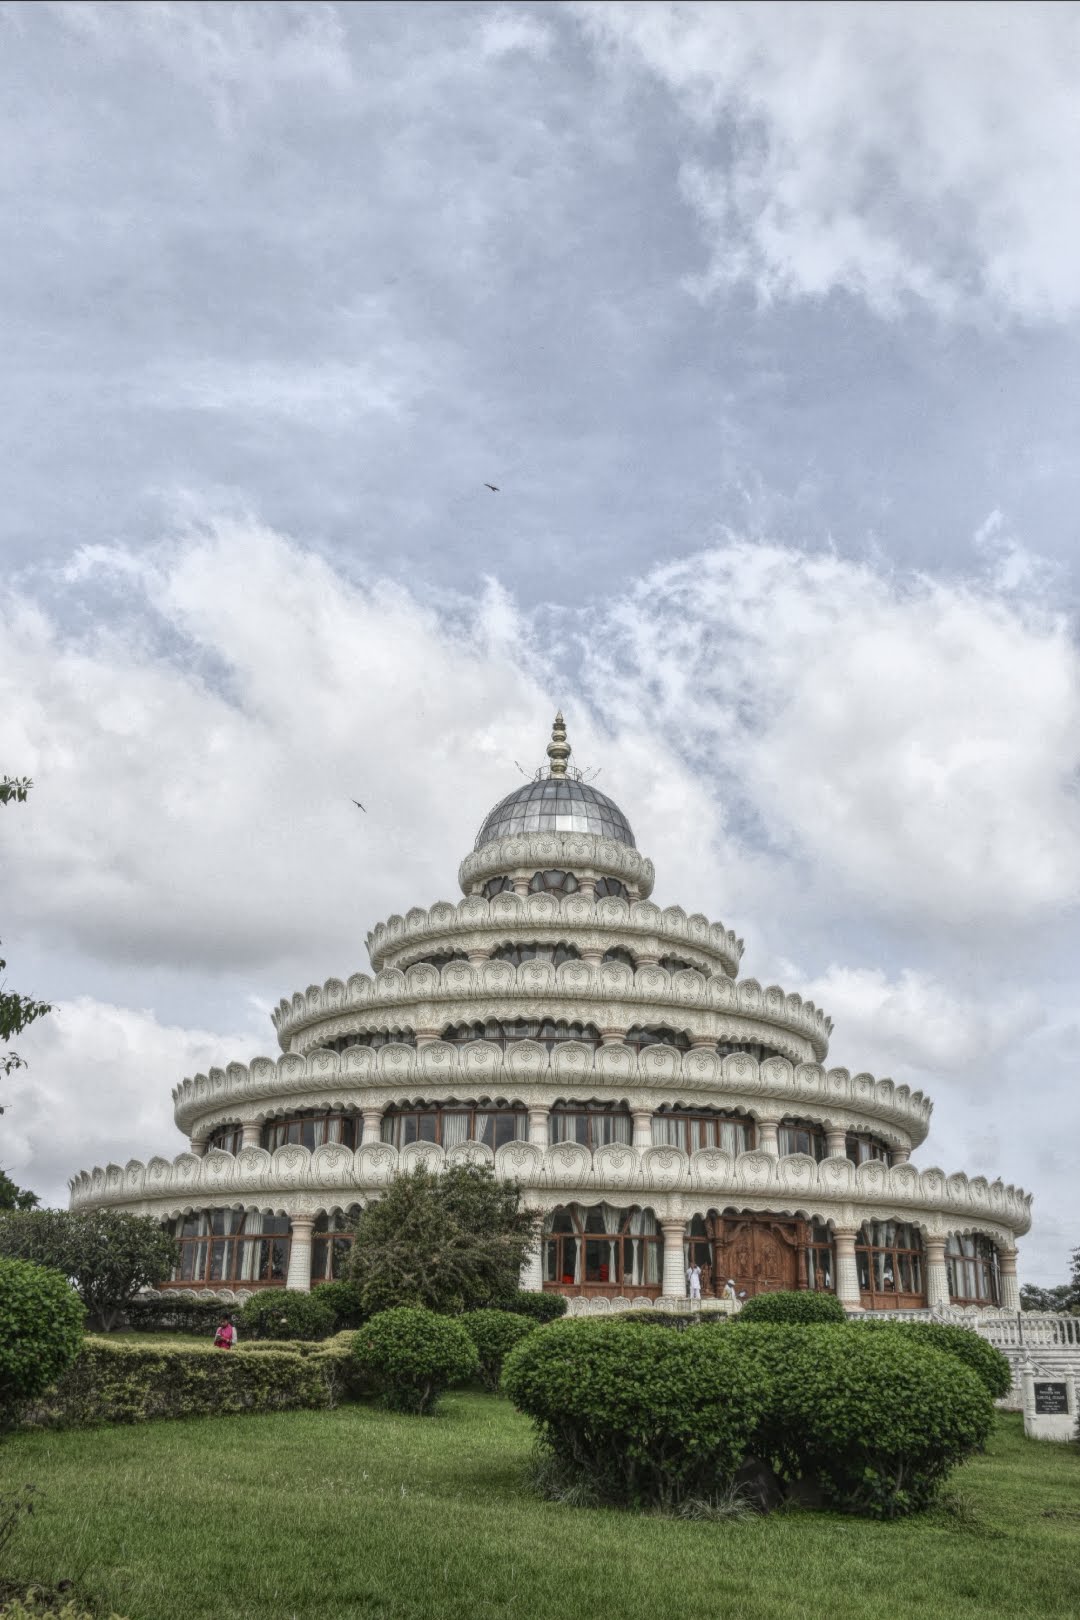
878 1419
495 1333
344 1300
410 1355
41 1330
286 1313
648 1418
794 1308
984 1359
540 1307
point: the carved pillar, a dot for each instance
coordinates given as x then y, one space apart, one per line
937 1275
538 1128
476 957
642 1118
674 1286
424 1037
252 1135
647 959
521 886
767 1137
593 958
372 1125
900 1155
1010 1286
587 887
299 1275
198 1146
847 1275
531 1276
613 1037
836 1144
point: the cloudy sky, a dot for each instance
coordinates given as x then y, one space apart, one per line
764 320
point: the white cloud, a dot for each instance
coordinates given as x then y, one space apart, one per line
900 153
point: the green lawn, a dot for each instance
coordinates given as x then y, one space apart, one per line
323 1516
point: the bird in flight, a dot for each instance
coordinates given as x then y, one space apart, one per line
494 488
360 806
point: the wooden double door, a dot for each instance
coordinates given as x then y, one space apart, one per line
762 1254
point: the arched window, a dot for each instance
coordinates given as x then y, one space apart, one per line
972 1264
639 1037
860 1147
888 1255
498 885
610 885
375 1038
618 953
533 952
549 1032
494 1123
310 1128
600 1249
748 1048
591 1124
440 959
693 1128
553 883
228 1138
675 964
331 1243
232 1246
801 1136
820 1257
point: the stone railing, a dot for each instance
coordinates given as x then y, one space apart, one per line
1048 1343
672 1182
610 995
654 1076
581 853
638 925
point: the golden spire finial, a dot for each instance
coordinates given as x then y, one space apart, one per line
558 749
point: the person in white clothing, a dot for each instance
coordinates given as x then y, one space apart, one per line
693 1281
729 1289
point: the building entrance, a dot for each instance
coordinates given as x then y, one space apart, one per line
762 1254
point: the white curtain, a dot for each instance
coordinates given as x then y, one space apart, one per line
455 1128
622 1128
482 1126
249 1265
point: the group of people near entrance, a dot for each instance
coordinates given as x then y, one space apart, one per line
693 1285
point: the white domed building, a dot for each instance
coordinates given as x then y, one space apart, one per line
655 1107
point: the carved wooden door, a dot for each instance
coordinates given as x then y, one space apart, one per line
761 1254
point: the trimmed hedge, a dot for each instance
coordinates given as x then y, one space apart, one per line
286 1313
175 1312
344 1300
41 1329
495 1333
680 1320
135 1383
409 1356
793 1308
541 1307
877 1419
643 1418
985 1360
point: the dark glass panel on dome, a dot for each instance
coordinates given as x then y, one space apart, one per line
532 952
618 953
498 885
553 883
556 804
606 886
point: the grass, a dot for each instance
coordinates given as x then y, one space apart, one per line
361 1515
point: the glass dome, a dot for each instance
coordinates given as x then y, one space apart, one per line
556 804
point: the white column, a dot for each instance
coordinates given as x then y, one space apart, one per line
937 1276
587 886
372 1125
538 1127
252 1136
531 1277
766 1136
613 1037
424 1037
300 1253
674 1286
642 1118
847 1275
835 1144
900 1155
476 957
198 1146
1010 1285
521 886
593 958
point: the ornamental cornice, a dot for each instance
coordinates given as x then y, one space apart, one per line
582 853
610 995
675 1184
659 1073
635 1098
639 925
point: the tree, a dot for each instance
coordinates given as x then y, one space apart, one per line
13 1197
107 1254
1064 1298
41 1329
450 1241
16 1012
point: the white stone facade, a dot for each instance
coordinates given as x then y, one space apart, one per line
675 979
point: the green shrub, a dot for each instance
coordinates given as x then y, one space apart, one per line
878 1419
114 1382
344 1300
681 1321
286 1313
410 1355
793 1308
41 1329
174 1312
495 1334
647 1418
540 1307
984 1359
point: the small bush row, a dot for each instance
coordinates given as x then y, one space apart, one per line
41 1329
793 1308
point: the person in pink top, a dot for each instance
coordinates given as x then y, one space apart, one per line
225 1337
